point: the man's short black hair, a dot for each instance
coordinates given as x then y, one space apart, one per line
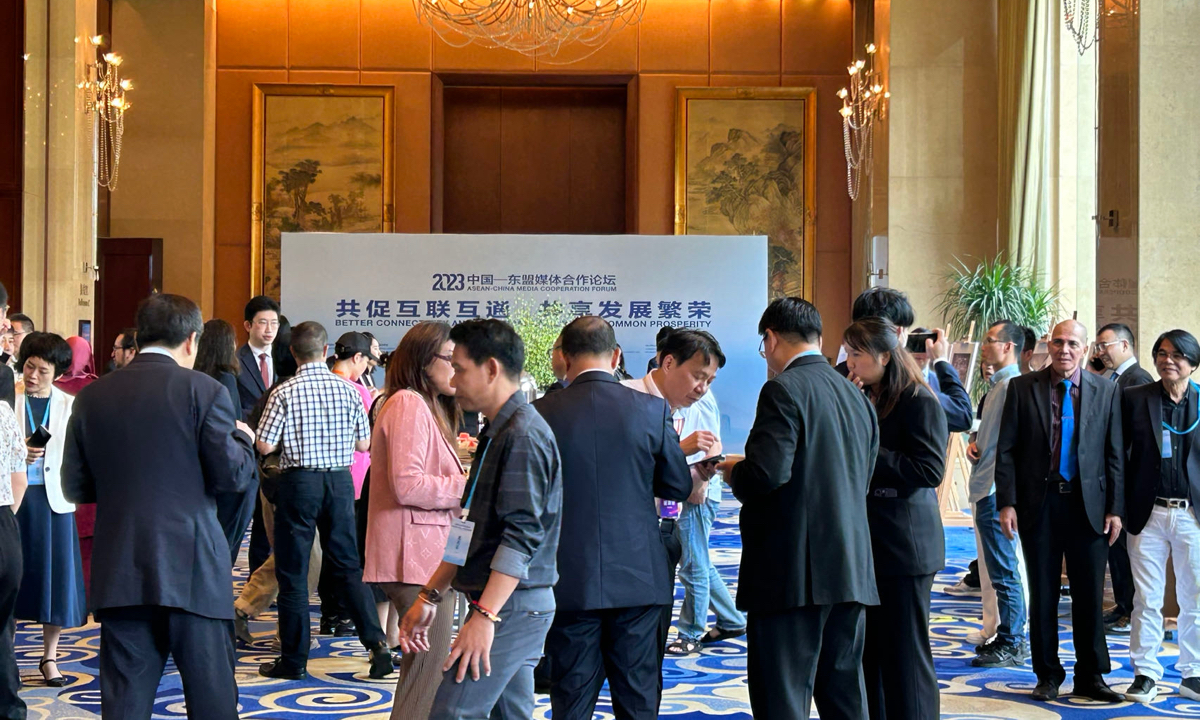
308 341
24 321
167 320
1184 342
128 338
3 294
260 303
1121 330
663 333
1030 340
491 338
1009 331
791 317
48 347
885 303
684 344
588 335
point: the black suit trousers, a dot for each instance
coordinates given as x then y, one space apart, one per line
234 511
897 661
586 647
807 654
1060 529
308 501
1122 574
669 530
260 544
11 706
134 645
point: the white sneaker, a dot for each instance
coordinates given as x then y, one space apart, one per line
962 589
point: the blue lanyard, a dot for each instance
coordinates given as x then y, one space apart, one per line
1173 431
29 413
476 468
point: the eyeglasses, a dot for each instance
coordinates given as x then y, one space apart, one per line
267 323
1175 357
447 358
993 341
550 352
762 348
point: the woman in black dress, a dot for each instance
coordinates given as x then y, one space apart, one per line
906 523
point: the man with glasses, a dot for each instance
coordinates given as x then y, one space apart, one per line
124 348
1115 348
1060 481
258 368
558 365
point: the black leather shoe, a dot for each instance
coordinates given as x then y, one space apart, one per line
241 629
1096 689
381 662
276 669
1045 691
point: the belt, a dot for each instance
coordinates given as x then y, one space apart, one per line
885 493
668 522
1062 488
1172 503
320 470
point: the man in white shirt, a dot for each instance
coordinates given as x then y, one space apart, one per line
688 364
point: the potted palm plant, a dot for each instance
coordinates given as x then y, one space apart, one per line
538 324
996 290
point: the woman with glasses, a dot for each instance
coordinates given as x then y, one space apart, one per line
416 490
1162 486
906 524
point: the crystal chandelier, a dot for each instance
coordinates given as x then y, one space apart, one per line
863 103
1081 18
104 104
536 28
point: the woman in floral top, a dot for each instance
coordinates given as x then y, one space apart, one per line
12 491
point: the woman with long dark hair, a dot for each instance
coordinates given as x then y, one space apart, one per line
416 489
906 524
216 356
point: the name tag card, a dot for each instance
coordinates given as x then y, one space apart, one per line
1166 444
459 542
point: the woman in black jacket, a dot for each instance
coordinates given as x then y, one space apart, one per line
906 524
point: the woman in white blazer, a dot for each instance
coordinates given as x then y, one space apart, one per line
52 591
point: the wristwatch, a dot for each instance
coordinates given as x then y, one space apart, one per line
431 596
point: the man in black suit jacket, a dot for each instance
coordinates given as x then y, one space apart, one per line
160 568
807 572
1060 481
1114 347
619 451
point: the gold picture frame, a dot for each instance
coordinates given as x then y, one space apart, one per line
300 132
728 123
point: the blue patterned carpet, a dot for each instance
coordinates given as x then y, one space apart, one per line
712 684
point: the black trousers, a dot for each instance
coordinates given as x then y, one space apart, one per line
586 647
804 654
1122 575
305 502
234 511
669 531
1061 528
134 645
11 706
260 544
897 661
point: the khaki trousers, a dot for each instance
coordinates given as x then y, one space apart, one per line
262 587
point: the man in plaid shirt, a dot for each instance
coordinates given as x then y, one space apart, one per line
317 421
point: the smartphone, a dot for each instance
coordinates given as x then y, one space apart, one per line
40 438
916 342
715 459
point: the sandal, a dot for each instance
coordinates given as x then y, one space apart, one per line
59 681
681 647
717 635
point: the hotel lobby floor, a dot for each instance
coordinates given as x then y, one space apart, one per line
712 684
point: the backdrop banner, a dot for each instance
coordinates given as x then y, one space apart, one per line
386 283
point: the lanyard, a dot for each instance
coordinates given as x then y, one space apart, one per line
476 468
29 413
1172 430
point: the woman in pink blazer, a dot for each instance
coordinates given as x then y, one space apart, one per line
416 491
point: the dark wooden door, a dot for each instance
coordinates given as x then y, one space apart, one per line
12 139
130 270
534 160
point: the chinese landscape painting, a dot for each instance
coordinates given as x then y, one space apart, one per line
745 166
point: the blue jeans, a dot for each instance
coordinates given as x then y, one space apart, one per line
1000 555
702 585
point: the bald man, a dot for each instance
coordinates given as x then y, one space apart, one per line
1060 484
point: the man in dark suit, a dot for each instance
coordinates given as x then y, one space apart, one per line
1115 349
807 571
8 392
943 379
160 568
1060 482
613 574
256 374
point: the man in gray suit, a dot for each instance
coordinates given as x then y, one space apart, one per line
807 570
161 567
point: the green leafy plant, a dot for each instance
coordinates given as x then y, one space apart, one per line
538 324
995 290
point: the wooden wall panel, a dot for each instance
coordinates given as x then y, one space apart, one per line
323 34
817 36
746 36
12 142
673 37
413 146
252 34
472 160
656 150
598 163
393 38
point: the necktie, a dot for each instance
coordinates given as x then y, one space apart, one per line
1068 461
1115 376
266 372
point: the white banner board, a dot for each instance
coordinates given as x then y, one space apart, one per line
386 283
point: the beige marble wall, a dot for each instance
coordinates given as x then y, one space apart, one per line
1169 195
942 146
59 225
162 190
